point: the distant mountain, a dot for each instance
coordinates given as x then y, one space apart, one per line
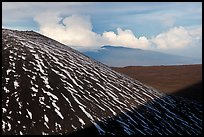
51 89
118 56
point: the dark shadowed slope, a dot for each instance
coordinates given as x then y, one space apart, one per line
194 91
157 119
49 88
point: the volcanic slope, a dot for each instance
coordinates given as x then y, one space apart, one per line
49 88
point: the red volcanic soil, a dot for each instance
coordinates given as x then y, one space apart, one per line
182 80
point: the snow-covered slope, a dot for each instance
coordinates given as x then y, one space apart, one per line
49 88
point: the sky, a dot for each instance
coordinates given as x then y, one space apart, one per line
168 27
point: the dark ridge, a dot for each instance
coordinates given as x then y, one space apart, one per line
51 89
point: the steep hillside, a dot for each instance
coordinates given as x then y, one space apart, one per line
49 88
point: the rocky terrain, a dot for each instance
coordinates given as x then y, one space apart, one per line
51 89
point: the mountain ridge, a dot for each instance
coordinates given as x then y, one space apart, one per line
51 89
120 56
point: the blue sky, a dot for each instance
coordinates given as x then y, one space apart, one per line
170 27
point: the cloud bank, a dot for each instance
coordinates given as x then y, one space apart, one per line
77 31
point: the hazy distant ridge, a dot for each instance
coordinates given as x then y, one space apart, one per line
121 56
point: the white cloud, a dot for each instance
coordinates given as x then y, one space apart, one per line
177 37
77 31
180 41
195 32
74 30
125 38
